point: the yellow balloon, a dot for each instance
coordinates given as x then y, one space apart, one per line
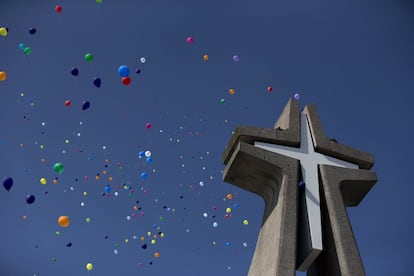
228 210
89 266
245 222
205 57
43 181
3 31
3 75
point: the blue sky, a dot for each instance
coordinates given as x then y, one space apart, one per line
353 60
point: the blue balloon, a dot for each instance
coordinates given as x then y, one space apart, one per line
97 82
8 183
107 189
144 175
123 71
22 46
32 31
149 160
74 71
86 105
30 199
142 153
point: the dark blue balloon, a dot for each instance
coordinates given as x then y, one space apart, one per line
74 71
142 153
137 71
32 31
123 71
86 105
97 82
30 199
8 183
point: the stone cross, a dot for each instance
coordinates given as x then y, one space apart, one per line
302 229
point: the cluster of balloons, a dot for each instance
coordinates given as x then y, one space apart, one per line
26 50
123 72
3 75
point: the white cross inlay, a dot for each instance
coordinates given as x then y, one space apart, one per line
309 161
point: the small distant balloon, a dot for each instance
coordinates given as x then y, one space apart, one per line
67 103
88 57
296 97
63 221
205 57
58 168
232 91
74 71
30 199
215 224
43 181
126 81
222 101
107 189
137 71
7 183
148 153
236 58
123 71
89 266
86 105
27 50
229 196
32 31
269 89
21 46
190 40
148 125
149 160
3 75
3 31
97 82
142 59
141 154
144 175
99 1
58 9
245 222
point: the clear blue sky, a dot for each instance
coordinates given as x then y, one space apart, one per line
353 59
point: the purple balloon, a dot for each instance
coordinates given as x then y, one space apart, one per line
97 82
30 199
236 58
7 183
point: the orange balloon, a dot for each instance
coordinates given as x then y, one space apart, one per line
3 75
63 221
229 196
205 57
232 91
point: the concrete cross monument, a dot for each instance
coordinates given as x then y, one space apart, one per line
306 181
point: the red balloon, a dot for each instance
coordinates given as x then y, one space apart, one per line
126 81
67 103
58 9
269 89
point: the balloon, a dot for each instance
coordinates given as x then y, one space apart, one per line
123 71
137 71
3 75
296 97
205 57
97 82
58 168
228 210
32 31
301 185
67 103
89 266
85 105
148 125
88 57
30 199
232 91
107 189
143 60
245 222
149 160
74 71
144 175
21 46
215 224
269 89
58 9
222 101
27 50
236 58
190 40
99 1
229 196
43 181
63 221
147 153
3 31
142 153
126 81
228 244
7 183
156 255
144 246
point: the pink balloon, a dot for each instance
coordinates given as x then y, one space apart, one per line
190 39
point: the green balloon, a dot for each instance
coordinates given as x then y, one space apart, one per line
58 168
27 50
98 1
88 57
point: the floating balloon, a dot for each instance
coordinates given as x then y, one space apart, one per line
144 175
232 91
123 71
156 255
32 31
3 31
205 57
74 71
107 189
269 89
147 153
228 210
43 181
236 58
30 199
245 222
126 81
88 57
99 1
137 71
97 82
229 196
296 97
7 183
149 160
85 105
148 125
27 50
143 60
21 46
215 224
228 244
63 221
141 154
58 9
222 101
3 75
190 40
67 103
89 266
58 168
